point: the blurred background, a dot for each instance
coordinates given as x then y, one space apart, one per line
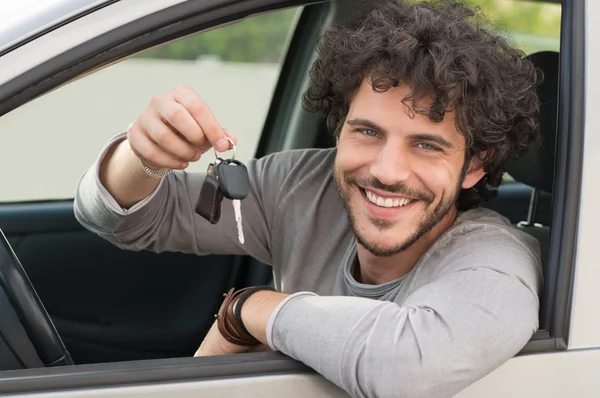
234 68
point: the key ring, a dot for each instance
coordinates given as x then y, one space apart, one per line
233 149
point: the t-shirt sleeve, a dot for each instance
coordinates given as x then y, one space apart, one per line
473 315
166 220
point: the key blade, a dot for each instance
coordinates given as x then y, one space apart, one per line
237 211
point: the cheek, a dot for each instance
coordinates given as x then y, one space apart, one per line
352 156
436 174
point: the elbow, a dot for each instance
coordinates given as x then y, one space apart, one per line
94 217
401 362
402 376
415 370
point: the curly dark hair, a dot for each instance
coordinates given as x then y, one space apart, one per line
444 52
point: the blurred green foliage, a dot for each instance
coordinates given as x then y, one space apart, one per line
523 16
260 38
532 26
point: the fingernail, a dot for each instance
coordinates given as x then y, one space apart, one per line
222 144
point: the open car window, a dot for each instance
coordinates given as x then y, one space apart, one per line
234 68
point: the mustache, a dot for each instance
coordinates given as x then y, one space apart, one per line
398 188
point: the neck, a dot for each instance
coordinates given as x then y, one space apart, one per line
373 270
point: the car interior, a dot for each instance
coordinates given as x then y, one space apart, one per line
536 169
110 305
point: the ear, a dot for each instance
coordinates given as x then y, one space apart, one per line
476 171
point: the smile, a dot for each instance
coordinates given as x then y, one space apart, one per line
383 201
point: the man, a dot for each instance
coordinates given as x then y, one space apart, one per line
390 279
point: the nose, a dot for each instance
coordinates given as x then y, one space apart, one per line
392 165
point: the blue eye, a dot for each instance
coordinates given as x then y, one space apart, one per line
369 133
428 147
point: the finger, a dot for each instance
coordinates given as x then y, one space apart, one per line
204 117
231 143
158 106
178 119
167 139
200 150
145 148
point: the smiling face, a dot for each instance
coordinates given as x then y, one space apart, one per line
399 176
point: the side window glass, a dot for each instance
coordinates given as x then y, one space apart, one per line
55 138
531 26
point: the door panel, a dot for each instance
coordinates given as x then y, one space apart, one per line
110 304
261 374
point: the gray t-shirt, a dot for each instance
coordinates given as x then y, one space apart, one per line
469 304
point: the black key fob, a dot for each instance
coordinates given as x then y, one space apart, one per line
232 176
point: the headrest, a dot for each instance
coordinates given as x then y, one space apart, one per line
536 168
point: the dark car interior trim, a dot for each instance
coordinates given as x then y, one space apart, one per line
31 217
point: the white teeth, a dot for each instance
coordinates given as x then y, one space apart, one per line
386 202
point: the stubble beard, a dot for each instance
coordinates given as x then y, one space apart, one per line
430 220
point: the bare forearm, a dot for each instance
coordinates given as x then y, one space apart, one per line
123 177
257 310
174 130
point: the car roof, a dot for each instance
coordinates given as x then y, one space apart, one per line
24 19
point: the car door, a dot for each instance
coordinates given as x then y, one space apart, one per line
137 25
110 304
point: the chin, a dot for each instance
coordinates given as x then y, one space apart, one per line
384 243
387 231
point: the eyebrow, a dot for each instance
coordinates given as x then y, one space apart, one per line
433 138
415 136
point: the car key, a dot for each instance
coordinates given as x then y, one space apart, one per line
232 176
211 196
224 178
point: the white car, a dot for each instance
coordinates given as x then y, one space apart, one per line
82 318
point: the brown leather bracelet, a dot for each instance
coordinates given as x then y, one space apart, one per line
228 326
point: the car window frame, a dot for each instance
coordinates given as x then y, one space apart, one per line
42 23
